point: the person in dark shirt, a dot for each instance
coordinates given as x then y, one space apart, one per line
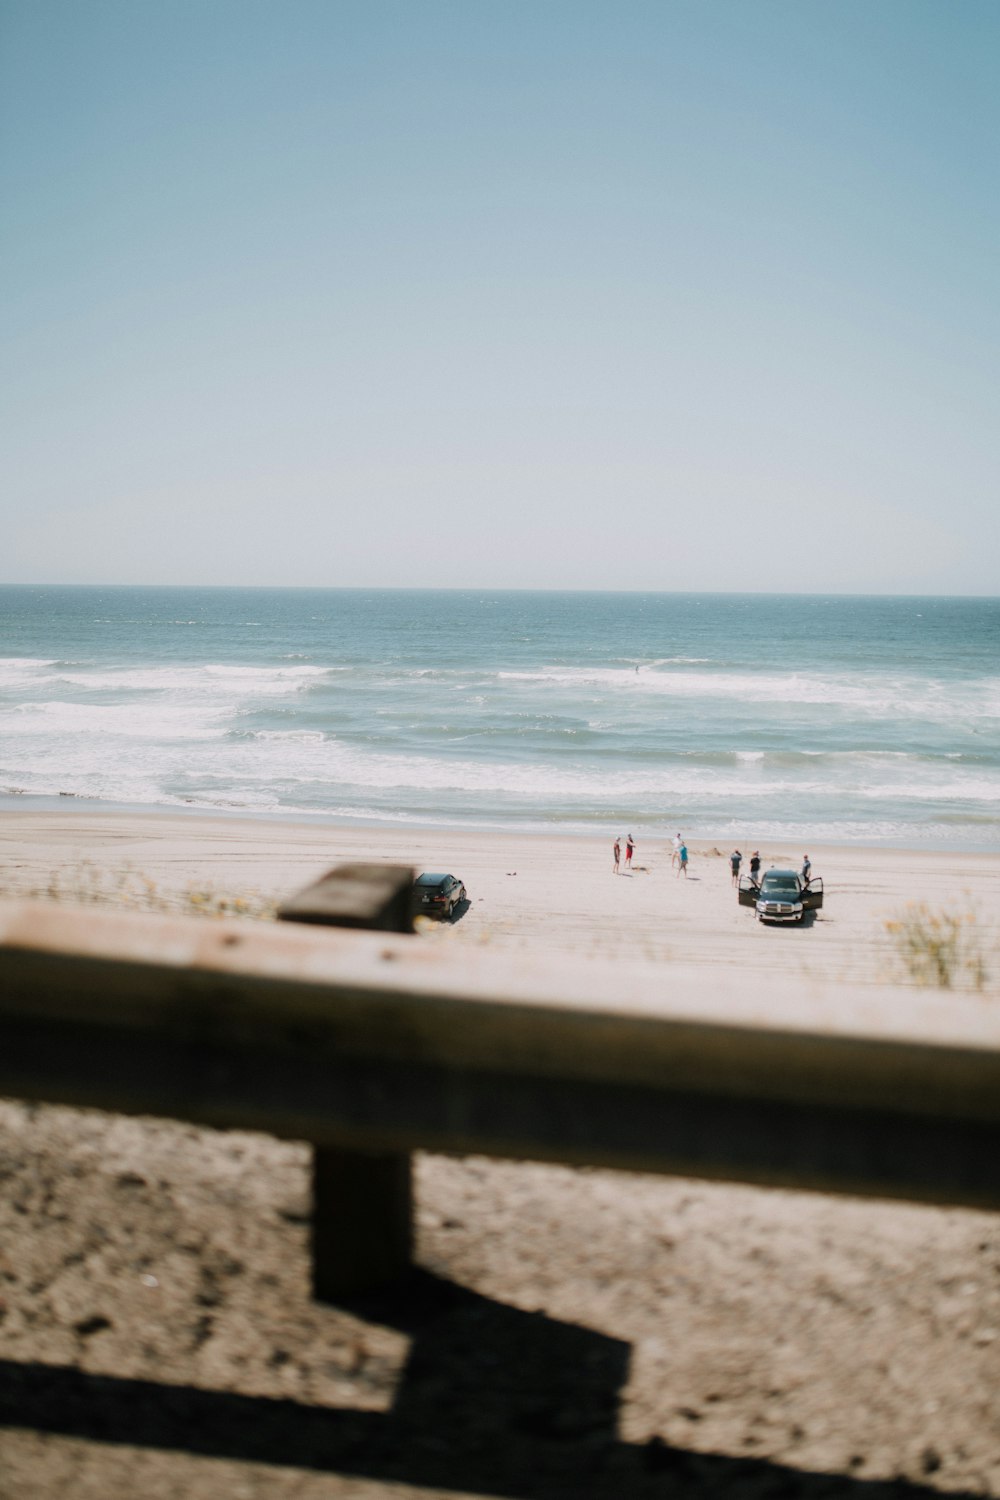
735 860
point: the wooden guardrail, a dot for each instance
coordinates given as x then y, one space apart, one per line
371 1045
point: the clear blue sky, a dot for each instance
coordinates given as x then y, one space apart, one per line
540 293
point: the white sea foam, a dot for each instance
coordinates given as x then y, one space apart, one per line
64 721
211 678
18 671
69 745
913 697
313 759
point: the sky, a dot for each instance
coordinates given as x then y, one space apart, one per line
501 293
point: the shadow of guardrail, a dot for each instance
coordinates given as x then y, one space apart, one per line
492 1401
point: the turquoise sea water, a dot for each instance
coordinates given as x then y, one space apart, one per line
728 716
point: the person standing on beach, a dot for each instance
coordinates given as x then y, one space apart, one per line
682 856
755 867
735 860
675 857
618 855
806 869
629 846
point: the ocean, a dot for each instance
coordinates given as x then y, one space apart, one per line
729 717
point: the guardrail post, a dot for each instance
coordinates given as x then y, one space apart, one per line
362 1225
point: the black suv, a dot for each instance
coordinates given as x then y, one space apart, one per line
437 895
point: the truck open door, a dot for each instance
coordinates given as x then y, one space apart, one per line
812 896
749 890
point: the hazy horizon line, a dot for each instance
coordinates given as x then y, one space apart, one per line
376 588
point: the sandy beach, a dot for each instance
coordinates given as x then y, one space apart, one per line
547 893
579 1333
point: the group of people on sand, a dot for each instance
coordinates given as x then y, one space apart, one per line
736 859
678 859
629 850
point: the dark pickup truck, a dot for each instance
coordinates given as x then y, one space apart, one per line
781 896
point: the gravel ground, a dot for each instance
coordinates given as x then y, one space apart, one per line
577 1334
